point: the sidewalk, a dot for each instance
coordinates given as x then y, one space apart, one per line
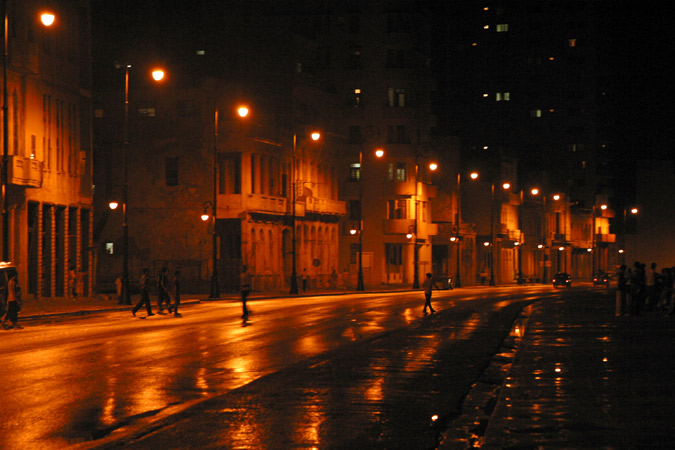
583 378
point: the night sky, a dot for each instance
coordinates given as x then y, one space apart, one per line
643 73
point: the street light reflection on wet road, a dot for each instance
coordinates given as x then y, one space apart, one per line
79 380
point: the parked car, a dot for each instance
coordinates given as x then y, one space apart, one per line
601 279
562 279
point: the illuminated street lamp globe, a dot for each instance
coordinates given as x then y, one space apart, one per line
47 18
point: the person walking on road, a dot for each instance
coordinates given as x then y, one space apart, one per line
176 293
145 297
245 286
429 283
163 290
11 304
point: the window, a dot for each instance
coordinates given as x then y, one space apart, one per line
394 254
397 172
171 171
502 27
397 134
397 209
572 42
146 112
503 96
109 248
535 113
355 172
396 97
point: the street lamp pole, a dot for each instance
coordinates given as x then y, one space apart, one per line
492 235
359 280
125 297
215 291
458 281
5 137
294 271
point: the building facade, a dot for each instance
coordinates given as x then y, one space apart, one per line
48 147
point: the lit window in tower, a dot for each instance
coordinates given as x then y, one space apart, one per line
502 27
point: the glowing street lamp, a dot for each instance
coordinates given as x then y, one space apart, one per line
315 136
125 298
242 112
379 153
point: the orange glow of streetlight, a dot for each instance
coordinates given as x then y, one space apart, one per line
379 153
506 186
603 207
433 166
205 217
242 111
556 197
113 205
157 74
633 210
473 175
47 18
315 135
534 191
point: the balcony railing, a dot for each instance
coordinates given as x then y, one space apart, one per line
25 171
231 205
325 206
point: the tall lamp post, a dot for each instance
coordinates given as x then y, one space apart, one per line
416 255
634 211
125 298
315 136
360 286
242 111
47 19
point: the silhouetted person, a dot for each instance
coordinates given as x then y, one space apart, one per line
429 283
145 296
176 293
163 290
245 286
11 303
622 292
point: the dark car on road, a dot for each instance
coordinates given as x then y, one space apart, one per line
562 279
601 279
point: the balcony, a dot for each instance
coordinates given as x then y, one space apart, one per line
324 206
398 226
404 226
407 189
25 171
605 238
230 206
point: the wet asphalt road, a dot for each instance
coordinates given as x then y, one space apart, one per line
353 371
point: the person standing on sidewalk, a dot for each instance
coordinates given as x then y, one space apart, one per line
11 303
163 290
429 283
176 293
621 292
145 297
245 287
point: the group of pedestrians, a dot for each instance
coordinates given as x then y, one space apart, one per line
644 288
164 289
